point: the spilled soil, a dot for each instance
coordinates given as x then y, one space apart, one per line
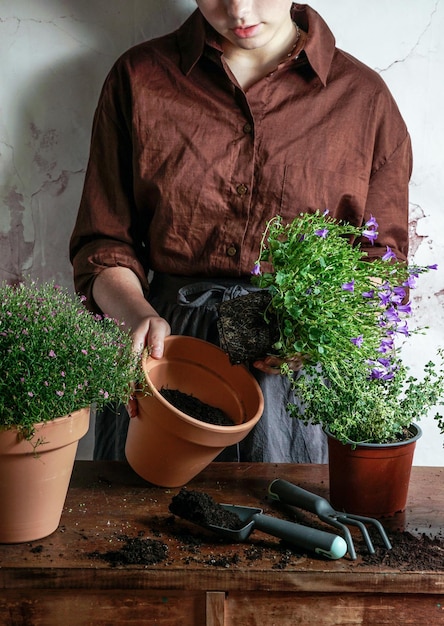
134 551
408 553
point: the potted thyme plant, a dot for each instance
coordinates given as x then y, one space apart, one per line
56 360
345 316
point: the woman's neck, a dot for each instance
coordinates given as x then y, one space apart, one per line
250 65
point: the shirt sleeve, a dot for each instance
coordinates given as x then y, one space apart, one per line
107 232
388 192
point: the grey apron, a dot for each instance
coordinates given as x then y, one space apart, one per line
190 307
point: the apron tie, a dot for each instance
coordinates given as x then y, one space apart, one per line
210 295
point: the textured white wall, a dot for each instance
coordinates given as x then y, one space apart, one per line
54 57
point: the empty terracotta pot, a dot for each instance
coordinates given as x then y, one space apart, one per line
35 475
165 446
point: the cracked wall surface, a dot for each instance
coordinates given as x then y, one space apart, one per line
55 55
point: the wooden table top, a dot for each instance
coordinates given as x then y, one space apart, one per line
107 502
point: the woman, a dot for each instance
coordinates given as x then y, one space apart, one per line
246 111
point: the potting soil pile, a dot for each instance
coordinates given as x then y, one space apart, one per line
202 509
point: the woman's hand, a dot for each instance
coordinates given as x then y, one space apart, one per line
149 334
272 364
119 294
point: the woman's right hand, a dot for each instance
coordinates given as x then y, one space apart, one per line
119 294
150 333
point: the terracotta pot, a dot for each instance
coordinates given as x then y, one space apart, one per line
165 446
372 479
35 475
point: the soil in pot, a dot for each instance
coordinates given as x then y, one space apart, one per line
194 407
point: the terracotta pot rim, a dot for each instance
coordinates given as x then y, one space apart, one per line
414 429
62 431
39 425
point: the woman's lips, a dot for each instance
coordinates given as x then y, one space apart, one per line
246 31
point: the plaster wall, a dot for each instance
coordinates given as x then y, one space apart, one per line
54 57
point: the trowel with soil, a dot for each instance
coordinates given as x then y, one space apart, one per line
236 523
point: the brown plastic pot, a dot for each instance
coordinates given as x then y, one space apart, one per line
35 475
372 479
165 446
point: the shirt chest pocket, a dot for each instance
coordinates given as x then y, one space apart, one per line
306 187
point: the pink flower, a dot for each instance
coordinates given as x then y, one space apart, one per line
52 354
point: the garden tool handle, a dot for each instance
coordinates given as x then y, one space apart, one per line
323 543
291 494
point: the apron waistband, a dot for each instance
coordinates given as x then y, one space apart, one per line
198 292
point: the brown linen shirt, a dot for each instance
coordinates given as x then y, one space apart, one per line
186 168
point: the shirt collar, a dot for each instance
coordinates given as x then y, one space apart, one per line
319 48
320 44
191 37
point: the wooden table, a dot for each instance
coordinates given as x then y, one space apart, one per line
58 582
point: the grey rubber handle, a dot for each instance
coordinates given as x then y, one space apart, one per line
288 493
328 544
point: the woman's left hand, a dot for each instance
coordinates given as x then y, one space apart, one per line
272 364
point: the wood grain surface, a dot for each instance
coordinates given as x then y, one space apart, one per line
57 581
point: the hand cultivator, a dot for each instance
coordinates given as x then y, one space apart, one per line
293 495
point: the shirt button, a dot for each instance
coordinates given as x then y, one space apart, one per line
247 128
242 189
231 251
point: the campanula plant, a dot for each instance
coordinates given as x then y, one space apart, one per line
344 315
56 357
